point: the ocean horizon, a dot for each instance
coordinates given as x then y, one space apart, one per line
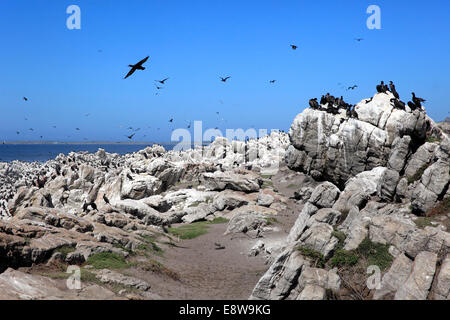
42 152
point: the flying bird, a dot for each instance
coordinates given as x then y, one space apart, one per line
25 98
137 66
78 129
294 47
272 81
359 39
131 137
159 88
224 79
171 120
162 81
352 87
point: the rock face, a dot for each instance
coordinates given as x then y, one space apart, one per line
15 285
380 169
337 148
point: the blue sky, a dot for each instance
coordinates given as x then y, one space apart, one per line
65 76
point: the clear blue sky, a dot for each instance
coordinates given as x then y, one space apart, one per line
65 76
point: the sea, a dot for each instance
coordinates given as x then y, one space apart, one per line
45 152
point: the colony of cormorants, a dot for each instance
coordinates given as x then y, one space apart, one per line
332 104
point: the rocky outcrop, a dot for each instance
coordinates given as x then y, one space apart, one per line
336 148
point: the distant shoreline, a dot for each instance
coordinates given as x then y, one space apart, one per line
84 143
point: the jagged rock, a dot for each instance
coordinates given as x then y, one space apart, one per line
319 238
418 284
16 285
218 181
198 213
324 195
256 249
311 279
301 222
264 199
442 290
303 194
325 215
141 187
394 278
249 218
230 200
360 188
399 153
282 276
139 209
339 148
113 277
54 217
421 157
388 184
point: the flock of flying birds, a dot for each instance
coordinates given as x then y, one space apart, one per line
159 85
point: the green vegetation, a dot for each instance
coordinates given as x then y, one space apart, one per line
190 231
267 184
196 229
150 245
343 258
340 236
266 176
292 186
316 257
107 260
442 208
158 267
375 253
432 139
219 220
65 250
423 222
271 220
194 204
418 175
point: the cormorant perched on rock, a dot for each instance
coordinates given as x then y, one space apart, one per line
323 100
105 199
394 92
382 88
314 104
129 176
368 100
418 101
412 105
398 104
91 204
